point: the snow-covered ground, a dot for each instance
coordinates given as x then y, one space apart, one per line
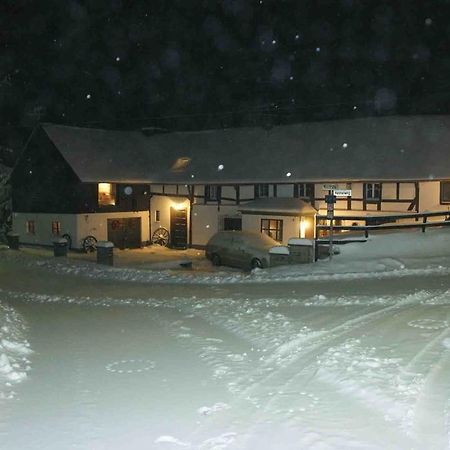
349 354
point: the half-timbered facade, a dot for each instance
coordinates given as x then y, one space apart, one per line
124 186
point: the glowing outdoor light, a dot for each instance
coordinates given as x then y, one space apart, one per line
303 227
178 206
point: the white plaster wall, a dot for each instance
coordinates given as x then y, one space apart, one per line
96 225
43 227
430 196
205 221
407 190
163 204
170 189
229 192
247 191
285 190
389 191
291 225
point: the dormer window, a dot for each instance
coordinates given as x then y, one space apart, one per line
106 194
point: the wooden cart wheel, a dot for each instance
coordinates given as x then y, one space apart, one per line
161 237
89 244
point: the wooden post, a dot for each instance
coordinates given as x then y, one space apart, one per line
424 221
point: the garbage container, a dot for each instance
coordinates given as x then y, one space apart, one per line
302 251
13 241
60 247
105 253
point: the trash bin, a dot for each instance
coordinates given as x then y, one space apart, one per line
105 253
302 251
60 247
13 241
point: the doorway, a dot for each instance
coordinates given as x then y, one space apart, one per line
178 228
125 233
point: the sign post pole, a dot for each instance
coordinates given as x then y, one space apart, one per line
330 200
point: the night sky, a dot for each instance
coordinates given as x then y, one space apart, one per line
204 64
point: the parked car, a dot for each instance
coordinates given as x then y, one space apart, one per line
241 249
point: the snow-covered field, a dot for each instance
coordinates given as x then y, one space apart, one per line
349 354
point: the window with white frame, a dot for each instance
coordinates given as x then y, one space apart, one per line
373 191
261 190
273 228
211 192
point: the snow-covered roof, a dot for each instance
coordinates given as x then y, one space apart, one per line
282 206
375 148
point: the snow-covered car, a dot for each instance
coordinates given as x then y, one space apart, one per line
241 249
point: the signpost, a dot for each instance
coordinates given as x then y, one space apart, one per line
342 192
330 200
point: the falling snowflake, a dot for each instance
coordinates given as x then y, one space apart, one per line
274 42
192 176
288 174
220 167
297 36
344 145
88 96
291 78
118 59
317 49
428 21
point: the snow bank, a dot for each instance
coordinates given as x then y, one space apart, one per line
14 351
392 255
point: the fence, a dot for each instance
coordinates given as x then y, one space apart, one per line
377 223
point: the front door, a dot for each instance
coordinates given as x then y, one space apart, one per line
178 228
125 233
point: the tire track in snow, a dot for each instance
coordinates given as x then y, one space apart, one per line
290 375
433 401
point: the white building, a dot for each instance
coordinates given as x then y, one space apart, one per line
130 186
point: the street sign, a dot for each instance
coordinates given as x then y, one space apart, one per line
330 199
342 192
330 210
329 187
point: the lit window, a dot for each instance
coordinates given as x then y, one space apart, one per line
212 192
261 190
445 191
106 194
31 228
56 228
373 191
273 228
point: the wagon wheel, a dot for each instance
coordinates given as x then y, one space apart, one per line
161 237
89 244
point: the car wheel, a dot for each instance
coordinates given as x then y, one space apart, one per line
215 259
256 264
